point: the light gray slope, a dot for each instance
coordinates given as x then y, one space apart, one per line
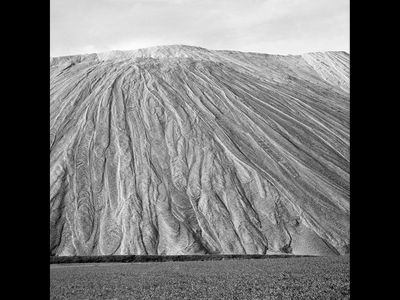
331 66
180 150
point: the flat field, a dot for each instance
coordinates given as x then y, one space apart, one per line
275 278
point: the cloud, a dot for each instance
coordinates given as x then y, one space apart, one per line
261 25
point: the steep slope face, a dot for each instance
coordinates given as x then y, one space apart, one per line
181 150
332 67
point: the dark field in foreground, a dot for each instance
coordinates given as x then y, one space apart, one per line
280 278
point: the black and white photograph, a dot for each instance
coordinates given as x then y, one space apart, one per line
199 149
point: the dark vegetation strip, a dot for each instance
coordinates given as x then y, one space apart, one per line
160 258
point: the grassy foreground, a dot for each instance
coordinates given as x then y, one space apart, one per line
279 278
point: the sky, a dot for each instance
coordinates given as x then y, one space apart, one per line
265 26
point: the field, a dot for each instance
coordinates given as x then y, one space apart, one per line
278 278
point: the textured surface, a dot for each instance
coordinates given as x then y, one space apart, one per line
281 278
183 150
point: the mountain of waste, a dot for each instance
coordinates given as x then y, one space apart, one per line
182 150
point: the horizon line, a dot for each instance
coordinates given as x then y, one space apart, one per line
191 46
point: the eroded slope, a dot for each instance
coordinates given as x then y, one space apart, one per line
180 150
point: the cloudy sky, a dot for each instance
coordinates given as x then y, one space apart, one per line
267 26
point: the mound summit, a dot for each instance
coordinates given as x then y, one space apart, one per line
182 150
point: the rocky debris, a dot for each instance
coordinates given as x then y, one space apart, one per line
184 150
